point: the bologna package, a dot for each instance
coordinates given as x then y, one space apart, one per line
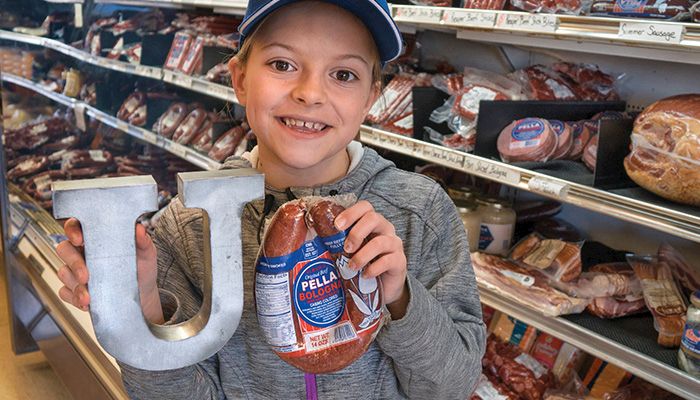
316 314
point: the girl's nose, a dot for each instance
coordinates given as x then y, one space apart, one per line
310 90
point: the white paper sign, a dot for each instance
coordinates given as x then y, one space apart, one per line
492 171
419 14
469 19
652 32
79 111
548 187
528 22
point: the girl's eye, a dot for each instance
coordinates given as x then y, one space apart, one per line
345 76
282 66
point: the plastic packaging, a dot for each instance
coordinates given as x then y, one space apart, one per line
689 352
663 297
484 4
572 7
673 10
556 259
315 312
528 139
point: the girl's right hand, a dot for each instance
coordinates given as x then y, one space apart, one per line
74 274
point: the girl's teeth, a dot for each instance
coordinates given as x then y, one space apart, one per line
302 124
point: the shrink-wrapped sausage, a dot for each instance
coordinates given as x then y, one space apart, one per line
170 120
227 143
190 125
316 314
28 166
131 104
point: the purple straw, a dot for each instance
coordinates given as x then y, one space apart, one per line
311 393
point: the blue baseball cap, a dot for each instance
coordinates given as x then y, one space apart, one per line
374 14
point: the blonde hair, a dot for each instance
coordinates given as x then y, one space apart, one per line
244 51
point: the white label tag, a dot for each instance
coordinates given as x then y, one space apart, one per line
219 91
97 155
528 22
525 280
492 171
652 32
419 14
79 111
145 70
178 150
78 15
118 66
548 187
182 80
123 126
149 136
469 18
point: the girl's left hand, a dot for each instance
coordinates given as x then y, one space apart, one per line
381 255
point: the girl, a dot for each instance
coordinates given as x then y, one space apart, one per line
308 73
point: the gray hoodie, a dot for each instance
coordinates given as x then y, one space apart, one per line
433 352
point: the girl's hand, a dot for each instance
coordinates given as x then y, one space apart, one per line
74 274
378 250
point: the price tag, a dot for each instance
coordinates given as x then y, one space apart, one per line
528 22
469 18
652 32
219 91
419 14
145 70
547 187
149 136
123 126
491 170
177 149
79 111
182 80
118 66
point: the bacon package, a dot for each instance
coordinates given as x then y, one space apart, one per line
315 313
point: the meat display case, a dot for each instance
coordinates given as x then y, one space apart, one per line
612 341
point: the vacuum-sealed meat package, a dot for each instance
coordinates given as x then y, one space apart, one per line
557 259
529 139
316 313
665 156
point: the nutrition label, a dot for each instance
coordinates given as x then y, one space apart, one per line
275 308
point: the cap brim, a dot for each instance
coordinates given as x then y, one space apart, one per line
377 20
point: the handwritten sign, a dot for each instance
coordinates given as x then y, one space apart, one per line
652 32
528 22
419 14
79 111
491 171
469 19
548 187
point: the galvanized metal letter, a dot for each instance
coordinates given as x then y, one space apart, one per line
107 209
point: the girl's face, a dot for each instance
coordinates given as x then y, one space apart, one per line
307 86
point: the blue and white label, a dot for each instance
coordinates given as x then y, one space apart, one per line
527 133
691 339
318 293
558 126
629 5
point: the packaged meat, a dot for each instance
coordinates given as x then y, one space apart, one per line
559 357
178 50
581 135
65 143
227 143
519 371
687 275
529 139
572 7
39 186
665 156
529 287
565 138
204 140
695 12
639 389
601 284
28 166
391 97
556 259
484 4
315 312
131 104
590 82
190 125
490 388
138 117
663 298
615 307
541 83
674 10
170 120
193 60
590 153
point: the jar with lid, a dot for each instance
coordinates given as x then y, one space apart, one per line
468 211
689 353
463 194
497 225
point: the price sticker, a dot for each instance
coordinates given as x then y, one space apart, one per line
123 126
491 170
658 32
79 111
145 70
528 22
220 91
469 18
118 66
419 14
182 80
548 187
177 149
149 136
